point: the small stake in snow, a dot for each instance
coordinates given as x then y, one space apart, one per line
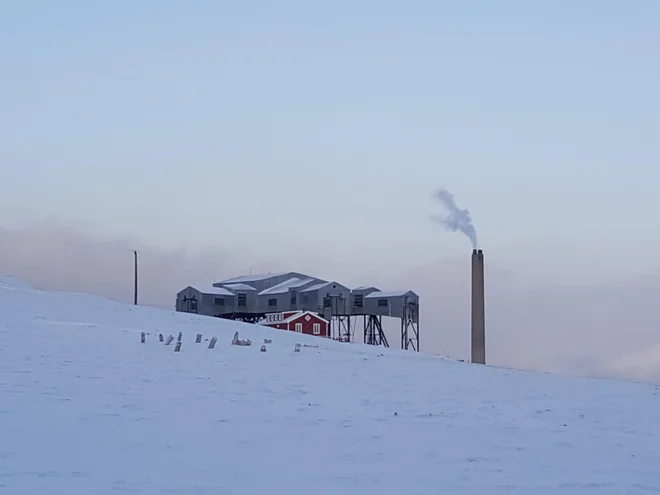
297 348
268 341
212 343
177 347
198 340
143 337
179 337
160 337
263 347
169 340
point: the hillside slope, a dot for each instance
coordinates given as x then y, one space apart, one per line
85 408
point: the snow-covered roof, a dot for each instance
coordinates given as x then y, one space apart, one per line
314 287
283 287
319 286
390 293
239 287
250 278
215 291
365 287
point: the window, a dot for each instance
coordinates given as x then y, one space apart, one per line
317 329
359 301
294 300
242 300
193 304
219 301
382 303
272 303
299 327
327 302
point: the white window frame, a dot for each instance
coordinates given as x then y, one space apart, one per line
317 329
299 327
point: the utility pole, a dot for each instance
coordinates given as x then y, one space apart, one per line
135 289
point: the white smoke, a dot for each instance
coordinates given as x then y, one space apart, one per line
456 219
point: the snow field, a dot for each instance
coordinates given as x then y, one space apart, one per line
86 408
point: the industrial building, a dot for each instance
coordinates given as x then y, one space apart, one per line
250 298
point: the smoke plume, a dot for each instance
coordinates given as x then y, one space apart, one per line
456 219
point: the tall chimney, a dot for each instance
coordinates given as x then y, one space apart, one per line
478 346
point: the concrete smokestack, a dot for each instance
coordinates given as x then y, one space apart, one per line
478 346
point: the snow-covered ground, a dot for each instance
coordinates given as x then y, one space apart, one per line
85 408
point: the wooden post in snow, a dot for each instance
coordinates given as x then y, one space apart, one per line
212 343
135 288
169 340
177 347
143 337
198 340
179 337
160 337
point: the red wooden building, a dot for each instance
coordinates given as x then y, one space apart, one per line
298 321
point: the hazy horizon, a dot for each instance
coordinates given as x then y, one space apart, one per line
219 139
594 328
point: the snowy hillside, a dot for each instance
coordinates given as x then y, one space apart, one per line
86 409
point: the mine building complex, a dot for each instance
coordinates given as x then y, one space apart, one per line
252 298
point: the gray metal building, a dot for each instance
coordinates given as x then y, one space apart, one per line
210 301
389 303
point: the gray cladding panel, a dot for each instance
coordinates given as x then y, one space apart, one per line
250 299
282 302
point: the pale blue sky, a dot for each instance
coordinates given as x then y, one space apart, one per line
215 123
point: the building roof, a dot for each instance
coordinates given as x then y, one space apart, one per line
390 293
239 287
320 285
251 278
314 287
366 287
216 291
283 287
